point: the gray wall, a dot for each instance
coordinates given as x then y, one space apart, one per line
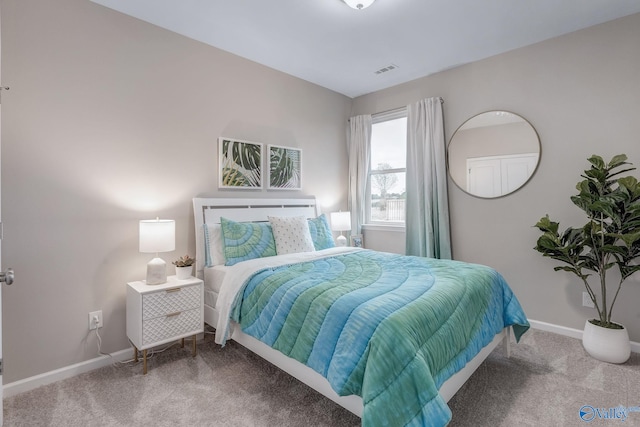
110 120
582 94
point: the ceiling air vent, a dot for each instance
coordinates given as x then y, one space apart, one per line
385 69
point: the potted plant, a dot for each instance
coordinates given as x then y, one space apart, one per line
609 239
184 266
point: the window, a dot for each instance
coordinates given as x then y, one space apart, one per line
387 176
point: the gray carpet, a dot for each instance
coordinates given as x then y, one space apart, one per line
545 383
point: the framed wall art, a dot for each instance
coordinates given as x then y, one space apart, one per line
240 164
284 171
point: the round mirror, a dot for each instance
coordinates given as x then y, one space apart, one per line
493 154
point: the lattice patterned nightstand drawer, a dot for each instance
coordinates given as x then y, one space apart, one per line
170 301
171 325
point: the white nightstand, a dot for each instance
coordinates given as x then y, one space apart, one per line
158 314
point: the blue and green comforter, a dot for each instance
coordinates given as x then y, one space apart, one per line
386 327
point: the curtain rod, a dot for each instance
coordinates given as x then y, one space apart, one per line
393 110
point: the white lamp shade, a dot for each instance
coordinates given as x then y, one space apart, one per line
157 235
341 221
359 4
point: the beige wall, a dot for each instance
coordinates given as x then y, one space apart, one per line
110 120
582 94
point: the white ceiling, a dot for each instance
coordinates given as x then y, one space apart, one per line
327 43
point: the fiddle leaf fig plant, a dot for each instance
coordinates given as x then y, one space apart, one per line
610 237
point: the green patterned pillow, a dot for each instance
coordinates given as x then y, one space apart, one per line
246 240
321 233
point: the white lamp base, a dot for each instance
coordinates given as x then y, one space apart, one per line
156 272
341 241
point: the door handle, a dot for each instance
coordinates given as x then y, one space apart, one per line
7 276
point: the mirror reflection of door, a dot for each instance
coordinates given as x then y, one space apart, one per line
498 175
493 154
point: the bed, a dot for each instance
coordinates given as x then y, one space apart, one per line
297 312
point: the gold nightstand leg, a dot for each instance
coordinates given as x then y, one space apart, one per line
194 351
144 362
135 354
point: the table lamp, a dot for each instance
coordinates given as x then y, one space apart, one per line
341 221
157 235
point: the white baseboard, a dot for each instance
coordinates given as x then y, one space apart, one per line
36 381
569 332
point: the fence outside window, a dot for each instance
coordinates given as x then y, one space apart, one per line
388 210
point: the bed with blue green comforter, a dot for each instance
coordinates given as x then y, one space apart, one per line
386 327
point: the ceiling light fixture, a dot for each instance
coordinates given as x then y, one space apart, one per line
359 4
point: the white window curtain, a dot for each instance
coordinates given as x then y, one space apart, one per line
359 149
427 206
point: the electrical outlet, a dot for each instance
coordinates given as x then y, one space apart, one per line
586 300
95 320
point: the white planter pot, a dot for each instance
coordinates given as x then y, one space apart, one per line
184 272
608 345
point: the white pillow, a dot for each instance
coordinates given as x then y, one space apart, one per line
291 234
213 247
